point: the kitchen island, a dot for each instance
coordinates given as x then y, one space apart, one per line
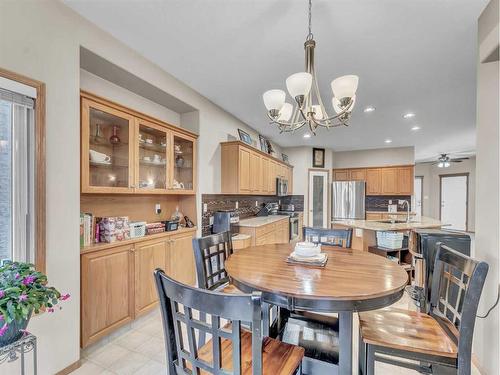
364 234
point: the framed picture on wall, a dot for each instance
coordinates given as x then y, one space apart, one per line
245 137
318 158
284 157
263 144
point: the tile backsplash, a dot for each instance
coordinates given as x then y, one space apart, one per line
246 205
380 202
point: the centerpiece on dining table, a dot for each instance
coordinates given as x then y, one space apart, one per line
308 253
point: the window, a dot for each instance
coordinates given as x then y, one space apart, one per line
17 174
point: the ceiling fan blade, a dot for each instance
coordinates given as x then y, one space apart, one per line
459 159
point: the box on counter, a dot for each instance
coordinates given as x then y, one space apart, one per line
153 228
113 229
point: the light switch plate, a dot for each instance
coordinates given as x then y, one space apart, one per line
237 205
205 208
392 208
211 220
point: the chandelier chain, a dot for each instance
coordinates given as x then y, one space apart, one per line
310 34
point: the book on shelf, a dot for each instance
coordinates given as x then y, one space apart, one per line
89 229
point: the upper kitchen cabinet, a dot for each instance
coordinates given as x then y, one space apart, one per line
380 181
153 151
107 149
124 151
245 170
184 163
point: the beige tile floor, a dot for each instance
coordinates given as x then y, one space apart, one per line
139 349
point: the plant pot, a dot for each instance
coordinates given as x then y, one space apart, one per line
13 332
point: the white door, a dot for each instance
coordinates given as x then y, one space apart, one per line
318 199
454 201
417 204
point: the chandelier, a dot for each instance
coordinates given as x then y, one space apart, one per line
309 108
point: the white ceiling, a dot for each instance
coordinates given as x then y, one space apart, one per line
412 55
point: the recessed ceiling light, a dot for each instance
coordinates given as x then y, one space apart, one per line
369 109
307 135
415 128
408 115
388 141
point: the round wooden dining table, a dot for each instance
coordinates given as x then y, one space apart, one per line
351 281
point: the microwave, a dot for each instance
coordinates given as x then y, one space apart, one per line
281 187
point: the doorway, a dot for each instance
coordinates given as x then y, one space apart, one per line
419 193
453 196
318 198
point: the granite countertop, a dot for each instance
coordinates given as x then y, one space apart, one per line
375 225
259 221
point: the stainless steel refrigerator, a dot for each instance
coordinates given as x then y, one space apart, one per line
348 200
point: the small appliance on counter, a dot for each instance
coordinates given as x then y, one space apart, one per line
226 220
171 225
137 229
268 209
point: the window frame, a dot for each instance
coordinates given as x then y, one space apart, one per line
40 175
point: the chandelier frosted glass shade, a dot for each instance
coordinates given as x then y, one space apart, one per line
274 99
318 113
299 84
345 86
338 107
285 112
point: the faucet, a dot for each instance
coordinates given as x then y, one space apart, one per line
403 202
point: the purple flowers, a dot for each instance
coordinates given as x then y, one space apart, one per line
64 297
2 293
3 329
29 280
50 310
23 297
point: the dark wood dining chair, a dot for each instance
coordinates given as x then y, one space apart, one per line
210 254
440 340
231 349
329 237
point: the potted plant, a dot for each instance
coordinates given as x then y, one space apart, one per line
23 290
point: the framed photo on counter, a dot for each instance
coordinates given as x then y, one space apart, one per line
318 158
245 137
263 144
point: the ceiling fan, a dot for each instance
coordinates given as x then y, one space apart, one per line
444 160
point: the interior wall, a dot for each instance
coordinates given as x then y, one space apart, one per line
431 187
301 159
486 339
46 46
378 157
108 90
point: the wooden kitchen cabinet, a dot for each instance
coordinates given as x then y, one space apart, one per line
389 181
148 256
246 170
107 292
373 181
341 174
405 178
276 232
182 267
357 175
124 151
374 216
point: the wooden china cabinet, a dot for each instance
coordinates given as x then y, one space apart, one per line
124 152
129 162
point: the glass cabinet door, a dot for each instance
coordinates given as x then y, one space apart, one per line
183 163
152 157
107 154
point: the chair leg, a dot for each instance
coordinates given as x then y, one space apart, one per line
265 319
370 360
361 355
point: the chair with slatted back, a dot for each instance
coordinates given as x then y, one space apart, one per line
210 254
439 341
329 237
231 349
